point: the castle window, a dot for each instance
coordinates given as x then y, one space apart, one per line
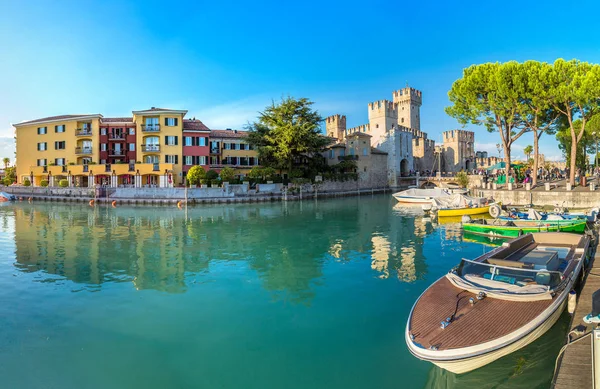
377 126
365 151
402 120
365 168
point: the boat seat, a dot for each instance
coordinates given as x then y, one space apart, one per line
507 263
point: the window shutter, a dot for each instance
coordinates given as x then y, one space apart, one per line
38 147
176 159
55 128
166 121
176 140
176 121
166 140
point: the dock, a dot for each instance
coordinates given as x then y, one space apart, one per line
575 368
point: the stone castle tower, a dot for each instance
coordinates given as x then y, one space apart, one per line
383 117
335 127
408 102
458 150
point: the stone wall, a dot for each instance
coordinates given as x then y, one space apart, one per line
552 198
49 191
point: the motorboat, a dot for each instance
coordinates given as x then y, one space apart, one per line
7 197
421 196
491 306
518 227
461 205
532 214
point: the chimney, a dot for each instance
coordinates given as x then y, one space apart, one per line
228 129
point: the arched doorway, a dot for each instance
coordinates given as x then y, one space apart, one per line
404 170
468 165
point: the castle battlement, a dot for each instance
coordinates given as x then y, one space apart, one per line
408 95
383 108
336 119
366 128
419 134
459 135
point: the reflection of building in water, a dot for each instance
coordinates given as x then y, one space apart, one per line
453 231
335 250
407 272
381 255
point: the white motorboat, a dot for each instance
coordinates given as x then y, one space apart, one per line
420 196
496 304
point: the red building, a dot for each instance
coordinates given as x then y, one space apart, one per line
195 144
117 140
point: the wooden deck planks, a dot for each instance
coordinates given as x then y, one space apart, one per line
575 368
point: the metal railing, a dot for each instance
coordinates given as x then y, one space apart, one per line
83 132
150 127
150 148
83 150
215 150
116 152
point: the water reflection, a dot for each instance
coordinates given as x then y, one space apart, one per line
166 249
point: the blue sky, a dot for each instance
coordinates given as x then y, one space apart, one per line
224 61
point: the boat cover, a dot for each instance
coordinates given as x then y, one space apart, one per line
459 201
500 290
532 214
415 192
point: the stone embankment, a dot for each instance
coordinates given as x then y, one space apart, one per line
205 195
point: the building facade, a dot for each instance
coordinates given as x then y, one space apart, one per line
153 147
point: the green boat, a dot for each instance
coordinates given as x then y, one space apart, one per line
514 228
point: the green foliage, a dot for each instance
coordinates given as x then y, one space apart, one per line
195 175
63 183
227 174
6 161
287 132
71 163
11 174
44 183
262 174
528 150
463 179
26 182
212 175
7 181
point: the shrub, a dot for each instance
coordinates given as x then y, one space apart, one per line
463 179
26 182
63 183
227 174
212 175
44 183
7 181
195 175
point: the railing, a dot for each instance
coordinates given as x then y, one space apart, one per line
83 150
116 136
86 168
107 167
83 132
215 150
132 167
114 153
348 158
64 169
150 127
150 148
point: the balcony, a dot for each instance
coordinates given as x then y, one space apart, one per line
215 150
150 148
116 153
83 150
348 158
83 132
116 137
150 127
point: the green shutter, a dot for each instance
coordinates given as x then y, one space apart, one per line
176 140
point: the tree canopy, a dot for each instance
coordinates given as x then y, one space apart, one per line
287 132
195 175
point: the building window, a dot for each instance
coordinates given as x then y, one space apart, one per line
187 141
59 145
171 121
377 126
60 128
331 154
151 159
103 131
227 146
342 152
59 161
132 131
365 151
103 161
402 120
42 146
42 130
242 146
41 162
172 159
237 146
187 160
352 151
171 140
250 147
202 141
103 147
132 147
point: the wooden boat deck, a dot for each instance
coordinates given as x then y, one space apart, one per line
575 368
486 320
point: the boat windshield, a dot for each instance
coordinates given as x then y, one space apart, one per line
510 275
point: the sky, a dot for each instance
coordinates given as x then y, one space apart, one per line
225 61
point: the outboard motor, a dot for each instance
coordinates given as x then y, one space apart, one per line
594 317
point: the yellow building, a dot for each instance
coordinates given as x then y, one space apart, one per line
69 147
229 148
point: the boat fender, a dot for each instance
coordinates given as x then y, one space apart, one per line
466 219
92 203
572 302
114 204
495 211
20 198
179 204
29 199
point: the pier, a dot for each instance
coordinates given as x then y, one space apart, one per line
575 367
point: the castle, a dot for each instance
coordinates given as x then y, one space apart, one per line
395 128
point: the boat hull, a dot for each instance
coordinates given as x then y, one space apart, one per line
508 231
413 200
463 211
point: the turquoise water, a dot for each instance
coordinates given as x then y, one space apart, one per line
296 295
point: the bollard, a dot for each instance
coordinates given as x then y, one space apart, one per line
494 186
510 186
547 186
592 186
569 187
528 186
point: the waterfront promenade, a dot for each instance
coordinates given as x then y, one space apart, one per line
575 368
